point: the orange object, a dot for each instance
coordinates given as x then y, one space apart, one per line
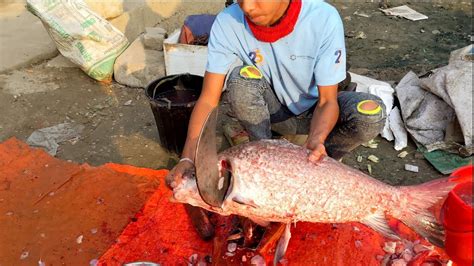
459 247
64 213
457 217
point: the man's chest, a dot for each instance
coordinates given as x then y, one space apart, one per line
293 55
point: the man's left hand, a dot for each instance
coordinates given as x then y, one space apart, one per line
318 151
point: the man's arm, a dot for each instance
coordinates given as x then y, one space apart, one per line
209 98
324 119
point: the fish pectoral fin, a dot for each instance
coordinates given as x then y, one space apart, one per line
282 245
378 222
260 222
241 200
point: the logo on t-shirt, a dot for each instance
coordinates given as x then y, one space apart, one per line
256 57
338 55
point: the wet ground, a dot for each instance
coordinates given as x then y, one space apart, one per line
120 128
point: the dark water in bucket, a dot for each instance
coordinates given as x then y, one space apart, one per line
172 100
181 97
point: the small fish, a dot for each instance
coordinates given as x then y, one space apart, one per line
373 158
371 144
402 154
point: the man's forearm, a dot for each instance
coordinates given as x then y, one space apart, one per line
324 119
200 112
208 100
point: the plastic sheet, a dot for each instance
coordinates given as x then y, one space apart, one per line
63 213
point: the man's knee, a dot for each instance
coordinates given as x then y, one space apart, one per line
245 86
363 118
246 76
365 114
371 110
370 117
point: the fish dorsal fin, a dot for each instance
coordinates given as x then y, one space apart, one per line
282 244
378 222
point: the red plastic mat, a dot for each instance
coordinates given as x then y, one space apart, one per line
62 213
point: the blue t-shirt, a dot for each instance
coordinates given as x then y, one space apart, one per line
313 54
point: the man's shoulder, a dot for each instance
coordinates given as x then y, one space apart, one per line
231 14
320 16
319 9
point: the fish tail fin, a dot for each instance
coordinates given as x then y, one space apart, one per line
417 215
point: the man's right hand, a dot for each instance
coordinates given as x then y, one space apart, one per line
199 217
184 169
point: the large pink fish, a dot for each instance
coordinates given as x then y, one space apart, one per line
273 181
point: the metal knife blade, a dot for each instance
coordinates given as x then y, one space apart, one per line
211 185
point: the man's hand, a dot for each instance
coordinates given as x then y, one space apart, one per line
324 119
318 151
184 169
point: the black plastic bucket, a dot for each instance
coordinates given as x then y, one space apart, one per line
172 99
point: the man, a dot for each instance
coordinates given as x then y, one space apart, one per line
294 57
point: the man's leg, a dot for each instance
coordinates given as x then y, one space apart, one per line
361 118
201 222
254 103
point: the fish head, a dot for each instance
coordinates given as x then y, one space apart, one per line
187 190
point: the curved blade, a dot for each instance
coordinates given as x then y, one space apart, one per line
212 187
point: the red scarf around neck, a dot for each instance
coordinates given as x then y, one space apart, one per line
284 27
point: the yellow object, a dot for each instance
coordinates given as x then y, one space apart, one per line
368 112
250 72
